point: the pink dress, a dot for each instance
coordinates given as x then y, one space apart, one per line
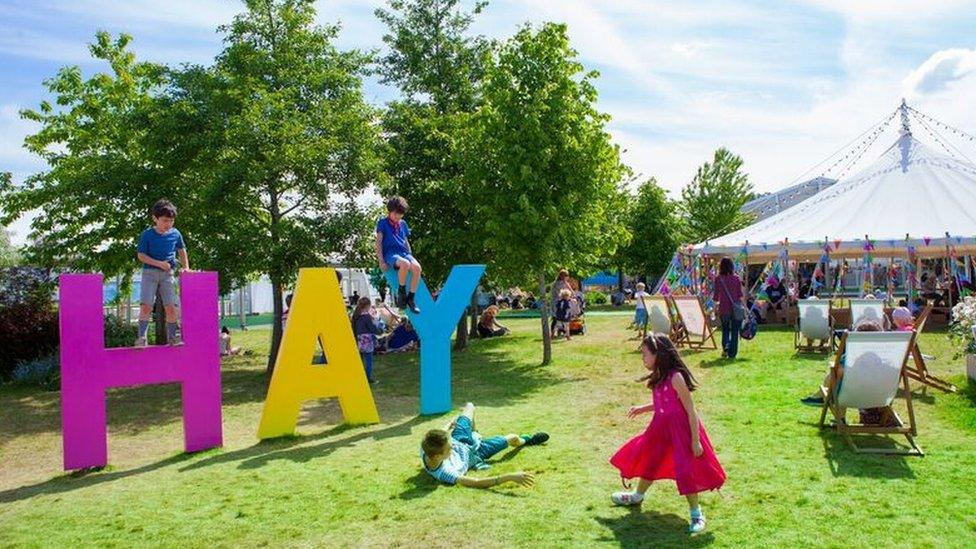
664 449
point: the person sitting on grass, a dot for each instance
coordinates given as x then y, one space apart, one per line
403 338
225 346
488 326
448 454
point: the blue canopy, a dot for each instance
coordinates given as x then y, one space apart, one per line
603 278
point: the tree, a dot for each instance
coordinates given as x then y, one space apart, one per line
290 143
438 69
656 228
93 199
9 256
714 198
542 164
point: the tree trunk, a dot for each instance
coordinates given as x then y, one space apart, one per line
276 324
461 335
543 314
159 319
620 279
473 311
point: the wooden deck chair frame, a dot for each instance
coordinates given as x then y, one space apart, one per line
917 369
810 347
688 339
845 429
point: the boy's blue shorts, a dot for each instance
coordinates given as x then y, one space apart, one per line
485 448
393 258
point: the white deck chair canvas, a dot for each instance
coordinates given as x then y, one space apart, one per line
697 329
660 318
868 369
868 309
814 326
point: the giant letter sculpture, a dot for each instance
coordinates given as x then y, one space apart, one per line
434 325
318 313
88 368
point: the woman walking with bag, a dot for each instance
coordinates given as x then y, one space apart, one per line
731 306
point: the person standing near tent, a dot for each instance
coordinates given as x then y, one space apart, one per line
731 307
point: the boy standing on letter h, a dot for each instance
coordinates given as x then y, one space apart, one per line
158 248
393 250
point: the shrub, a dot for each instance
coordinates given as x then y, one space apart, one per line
596 298
42 372
28 322
27 331
119 333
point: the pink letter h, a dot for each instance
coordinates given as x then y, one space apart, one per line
88 368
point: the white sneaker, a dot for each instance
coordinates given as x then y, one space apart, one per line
176 340
627 498
697 525
141 342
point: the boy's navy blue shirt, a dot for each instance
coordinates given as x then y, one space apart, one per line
161 247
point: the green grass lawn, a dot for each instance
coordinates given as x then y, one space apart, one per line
789 484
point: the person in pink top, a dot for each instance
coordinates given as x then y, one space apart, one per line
902 318
674 445
731 308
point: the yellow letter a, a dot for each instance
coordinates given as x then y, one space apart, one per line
317 314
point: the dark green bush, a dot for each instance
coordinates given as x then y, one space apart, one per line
596 298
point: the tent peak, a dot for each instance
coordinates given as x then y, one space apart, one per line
906 128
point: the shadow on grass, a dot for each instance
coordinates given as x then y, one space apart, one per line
84 479
845 462
29 411
640 528
296 448
421 485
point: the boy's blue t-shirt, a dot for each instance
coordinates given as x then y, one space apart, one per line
161 247
394 241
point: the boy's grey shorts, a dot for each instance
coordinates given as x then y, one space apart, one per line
164 280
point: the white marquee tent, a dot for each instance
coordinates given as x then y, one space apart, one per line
910 195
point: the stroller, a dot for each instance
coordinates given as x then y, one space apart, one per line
577 324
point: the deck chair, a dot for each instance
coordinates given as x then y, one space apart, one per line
868 309
813 323
698 330
866 373
917 369
661 318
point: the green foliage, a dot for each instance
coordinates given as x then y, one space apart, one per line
119 333
93 199
431 60
438 69
656 228
714 198
541 165
596 298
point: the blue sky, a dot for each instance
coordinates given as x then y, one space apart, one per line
782 83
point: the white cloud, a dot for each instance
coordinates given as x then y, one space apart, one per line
941 71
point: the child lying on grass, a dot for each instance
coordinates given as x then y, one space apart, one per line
448 454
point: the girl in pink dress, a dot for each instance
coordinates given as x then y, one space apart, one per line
675 444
